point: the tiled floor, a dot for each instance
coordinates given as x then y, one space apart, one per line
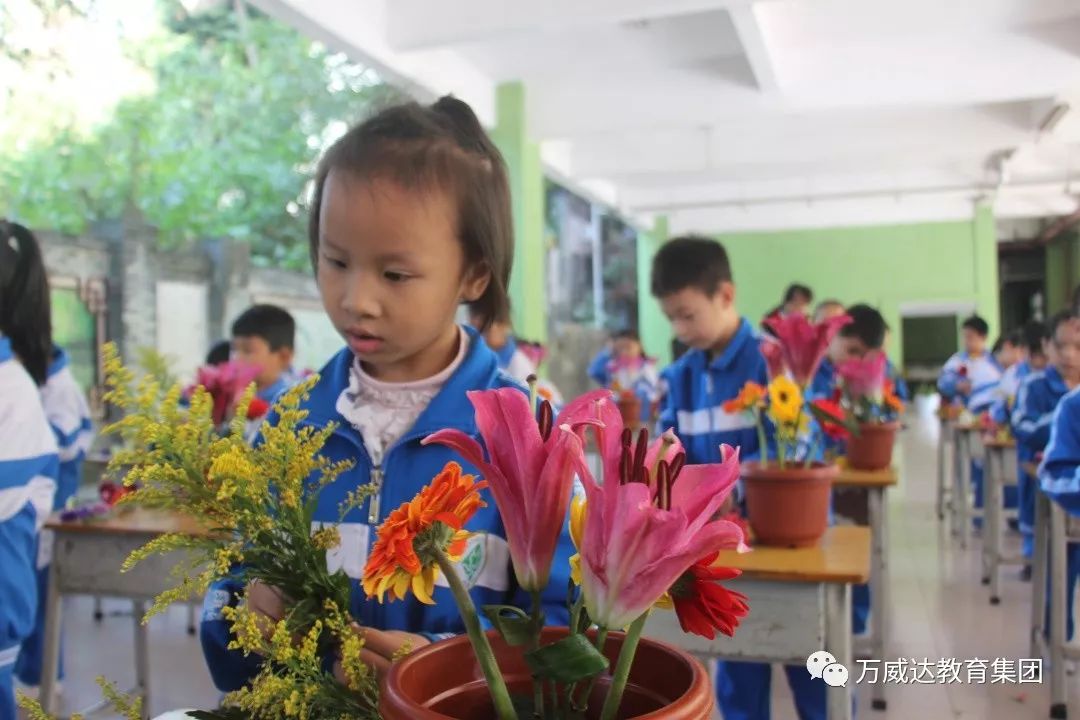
940 611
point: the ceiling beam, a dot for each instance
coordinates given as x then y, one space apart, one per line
425 24
755 46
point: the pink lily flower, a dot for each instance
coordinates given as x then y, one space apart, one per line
649 521
803 343
530 468
774 357
864 377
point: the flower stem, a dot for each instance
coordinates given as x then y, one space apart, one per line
763 445
538 684
500 696
622 668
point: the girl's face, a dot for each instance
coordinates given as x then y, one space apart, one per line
627 348
391 273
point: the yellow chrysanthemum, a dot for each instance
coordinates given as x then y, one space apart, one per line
785 400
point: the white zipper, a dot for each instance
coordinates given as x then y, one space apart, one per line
376 479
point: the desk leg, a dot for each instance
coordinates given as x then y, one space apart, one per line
958 496
879 587
142 655
1039 567
1058 594
838 642
51 660
941 469
963 455
192 617
994 506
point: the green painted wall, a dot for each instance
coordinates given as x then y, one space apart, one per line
654 328
884 266
527 197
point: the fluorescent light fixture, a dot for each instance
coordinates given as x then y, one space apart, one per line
1053 118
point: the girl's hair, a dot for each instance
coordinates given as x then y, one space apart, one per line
438 148
24 300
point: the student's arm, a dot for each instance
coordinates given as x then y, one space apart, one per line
229 669
1059 474
900 388
668 419
598 370
949 378
1031 421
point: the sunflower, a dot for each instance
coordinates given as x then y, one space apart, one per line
785 400
750 396
404 553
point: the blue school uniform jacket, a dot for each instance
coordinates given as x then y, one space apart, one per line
406 468
1008 392
598 368
1034 412
28 468
983 373
69 416
696 390
1059 473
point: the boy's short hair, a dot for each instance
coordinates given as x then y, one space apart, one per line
690 261
627 334
273 324
998 345
866 325
1032 335
977 325
794 290
219 353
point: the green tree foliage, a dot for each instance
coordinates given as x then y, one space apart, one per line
223 145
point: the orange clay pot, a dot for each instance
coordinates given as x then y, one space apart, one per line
789 507
873 448
444 682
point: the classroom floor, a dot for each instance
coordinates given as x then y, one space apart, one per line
940 611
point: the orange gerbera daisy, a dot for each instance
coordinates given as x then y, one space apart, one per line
890 397
404 552
750 396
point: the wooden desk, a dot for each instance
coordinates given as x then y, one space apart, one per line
800 602
873 644
999 455
86 560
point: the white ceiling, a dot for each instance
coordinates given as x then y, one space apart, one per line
743 114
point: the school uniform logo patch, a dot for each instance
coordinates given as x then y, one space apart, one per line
472 562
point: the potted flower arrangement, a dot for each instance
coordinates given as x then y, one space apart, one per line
647 534
788 491
870 402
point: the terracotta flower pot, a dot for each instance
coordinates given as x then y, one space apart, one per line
789 507
873 448
444 681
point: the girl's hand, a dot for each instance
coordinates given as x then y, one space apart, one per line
380 647
268 605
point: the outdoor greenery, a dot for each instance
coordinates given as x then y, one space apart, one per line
222 143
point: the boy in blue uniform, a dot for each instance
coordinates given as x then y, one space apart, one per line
971 377
692 279
1039 396
1031 358
264 337
843 348
865 333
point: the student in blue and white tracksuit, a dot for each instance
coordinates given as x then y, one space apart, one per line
28 459
691 277
971 377
1034 417
69 416
1029 340
397 248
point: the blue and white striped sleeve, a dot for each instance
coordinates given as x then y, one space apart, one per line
1059 473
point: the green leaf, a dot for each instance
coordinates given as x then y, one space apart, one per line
570 660
513 624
